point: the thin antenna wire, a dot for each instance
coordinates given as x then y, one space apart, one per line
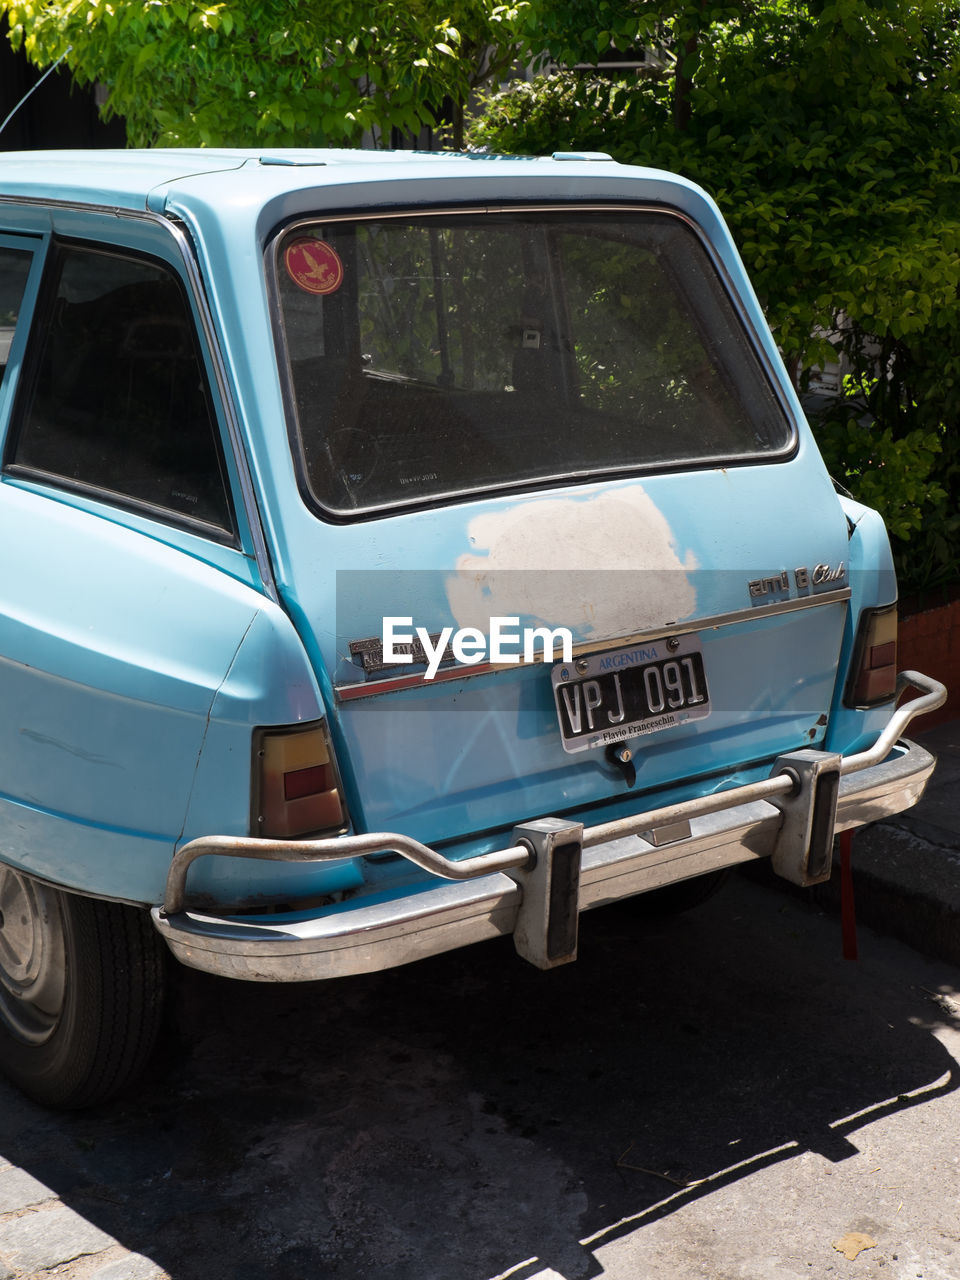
34 88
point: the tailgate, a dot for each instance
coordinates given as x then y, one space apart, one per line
697 668
552 418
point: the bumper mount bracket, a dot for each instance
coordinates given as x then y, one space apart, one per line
547 918
804 850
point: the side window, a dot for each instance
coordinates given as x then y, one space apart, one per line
14 269
117 399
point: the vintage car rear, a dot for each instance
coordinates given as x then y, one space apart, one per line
526 589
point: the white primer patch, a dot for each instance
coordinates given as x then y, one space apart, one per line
606 566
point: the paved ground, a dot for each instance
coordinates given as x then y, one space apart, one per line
715 1097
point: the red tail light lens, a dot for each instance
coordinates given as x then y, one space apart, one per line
296 787
873 675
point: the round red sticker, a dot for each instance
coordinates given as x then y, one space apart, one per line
314 265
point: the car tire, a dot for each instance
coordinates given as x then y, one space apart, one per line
81 992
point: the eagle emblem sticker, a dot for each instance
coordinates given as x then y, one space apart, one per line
313 265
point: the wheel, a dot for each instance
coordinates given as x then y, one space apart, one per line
81 992
682 896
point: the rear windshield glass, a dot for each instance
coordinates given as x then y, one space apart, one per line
434 356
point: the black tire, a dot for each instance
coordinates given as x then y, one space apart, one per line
684 895
81 993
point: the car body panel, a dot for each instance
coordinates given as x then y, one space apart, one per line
107 688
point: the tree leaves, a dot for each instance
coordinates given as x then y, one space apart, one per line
830 136
827 130
307 73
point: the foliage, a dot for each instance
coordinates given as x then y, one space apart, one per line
893 475
827 130
280 72
829 133
907 479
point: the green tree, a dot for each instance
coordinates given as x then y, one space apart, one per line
829 133
280 72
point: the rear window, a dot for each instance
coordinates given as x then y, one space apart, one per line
439 355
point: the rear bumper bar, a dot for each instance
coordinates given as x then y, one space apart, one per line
535 888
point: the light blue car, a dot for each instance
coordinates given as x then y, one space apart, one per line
399 551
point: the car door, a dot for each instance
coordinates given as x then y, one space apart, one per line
128 582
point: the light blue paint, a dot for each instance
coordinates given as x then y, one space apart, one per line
136 658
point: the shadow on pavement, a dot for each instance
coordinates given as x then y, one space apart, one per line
468 1116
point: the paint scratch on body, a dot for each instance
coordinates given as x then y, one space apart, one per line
90 756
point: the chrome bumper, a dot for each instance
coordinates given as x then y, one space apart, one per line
554 869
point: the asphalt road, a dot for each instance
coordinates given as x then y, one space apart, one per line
719 1096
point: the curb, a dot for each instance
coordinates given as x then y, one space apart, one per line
904 886
906 868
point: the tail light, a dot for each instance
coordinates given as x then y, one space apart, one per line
296 787
873 675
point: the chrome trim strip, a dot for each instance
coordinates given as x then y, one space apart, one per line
77 206
371 688
111 210
359 938
377 214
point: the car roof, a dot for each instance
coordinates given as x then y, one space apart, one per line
130 178
230 197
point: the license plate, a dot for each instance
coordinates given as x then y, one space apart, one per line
628 692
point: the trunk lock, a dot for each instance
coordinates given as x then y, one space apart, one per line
621 757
